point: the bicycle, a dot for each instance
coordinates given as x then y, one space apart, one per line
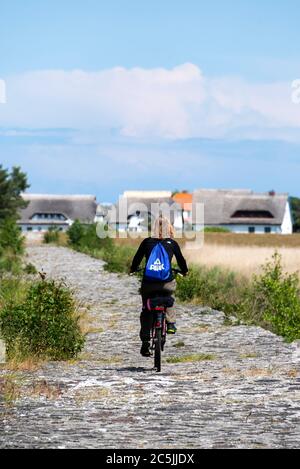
157 305
159 329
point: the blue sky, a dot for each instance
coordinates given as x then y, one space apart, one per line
104 96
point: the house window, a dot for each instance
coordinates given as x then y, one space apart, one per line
268 229
251 229
29 228
48 216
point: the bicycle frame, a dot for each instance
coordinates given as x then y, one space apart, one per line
159 321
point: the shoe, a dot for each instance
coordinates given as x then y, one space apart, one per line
171 328
145 349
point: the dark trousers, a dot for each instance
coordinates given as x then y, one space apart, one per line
149 290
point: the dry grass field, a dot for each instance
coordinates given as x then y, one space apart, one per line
245 253
242 253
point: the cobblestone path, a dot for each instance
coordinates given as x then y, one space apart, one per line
241 388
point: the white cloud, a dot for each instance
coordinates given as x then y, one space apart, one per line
157 103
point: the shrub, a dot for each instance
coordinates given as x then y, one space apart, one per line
189 287
12 291
84 238
118 258
30 269
214 287
75 233
11 246
51 236
41 323
273 301
270 300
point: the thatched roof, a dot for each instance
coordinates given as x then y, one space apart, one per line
225 207
73 207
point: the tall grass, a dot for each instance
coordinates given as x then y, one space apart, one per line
270 299
245 260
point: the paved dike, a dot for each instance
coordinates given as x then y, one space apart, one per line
247 395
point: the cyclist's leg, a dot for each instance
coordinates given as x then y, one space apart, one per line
146 325
169 289
146 317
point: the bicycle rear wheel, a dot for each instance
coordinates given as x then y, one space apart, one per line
157 351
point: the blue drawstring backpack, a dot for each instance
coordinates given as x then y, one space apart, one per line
158 266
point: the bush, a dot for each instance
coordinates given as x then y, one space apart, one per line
30 269
118 258
270 300
11 246
42 323
214 287
51 236
75 233
273 301
85 238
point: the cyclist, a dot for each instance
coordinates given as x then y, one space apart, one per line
163 233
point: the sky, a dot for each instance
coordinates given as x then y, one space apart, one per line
107 96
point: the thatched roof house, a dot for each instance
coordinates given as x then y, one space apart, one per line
44 211
244 210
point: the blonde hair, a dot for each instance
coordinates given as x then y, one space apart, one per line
163 229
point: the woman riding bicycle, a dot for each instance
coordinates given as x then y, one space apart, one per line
163 234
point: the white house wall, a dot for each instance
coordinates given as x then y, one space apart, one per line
39 228
244 229
259 229
287 224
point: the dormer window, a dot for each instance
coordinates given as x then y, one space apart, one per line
252 214
49 216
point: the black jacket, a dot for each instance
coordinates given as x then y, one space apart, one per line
172 249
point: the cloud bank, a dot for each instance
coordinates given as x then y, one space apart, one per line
180 103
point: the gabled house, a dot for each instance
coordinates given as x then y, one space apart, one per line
244 211
136 210
55 211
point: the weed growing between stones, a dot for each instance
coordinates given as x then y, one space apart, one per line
179 344
9 390
197 357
